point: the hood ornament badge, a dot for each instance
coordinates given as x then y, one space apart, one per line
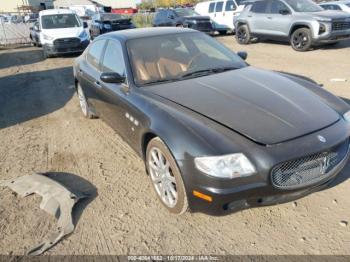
321 139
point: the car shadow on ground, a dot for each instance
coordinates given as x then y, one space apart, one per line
30 95
75 184
20 58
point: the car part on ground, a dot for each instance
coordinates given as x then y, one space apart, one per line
302 23
57 200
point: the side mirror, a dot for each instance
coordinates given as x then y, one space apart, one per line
112 78
171 17
36 28
242 54
284 12
85 25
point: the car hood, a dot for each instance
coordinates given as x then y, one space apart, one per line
330 14
63 32
264 106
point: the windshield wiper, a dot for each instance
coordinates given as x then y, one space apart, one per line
209 71
160 81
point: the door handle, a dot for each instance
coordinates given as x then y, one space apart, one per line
223 14
269 17
250 16
97 84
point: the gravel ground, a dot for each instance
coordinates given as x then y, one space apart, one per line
42 130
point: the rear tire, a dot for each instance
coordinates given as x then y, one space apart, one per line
243 34
84 105
166 177
301 39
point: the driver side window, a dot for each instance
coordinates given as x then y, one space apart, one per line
94 53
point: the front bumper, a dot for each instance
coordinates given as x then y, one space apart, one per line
55 49
332 37
231 195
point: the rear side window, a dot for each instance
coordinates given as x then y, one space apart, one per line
113 60
211 7
94 53
277 6
230 6
218 7
259 7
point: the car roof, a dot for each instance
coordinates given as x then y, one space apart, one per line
145 32
56 11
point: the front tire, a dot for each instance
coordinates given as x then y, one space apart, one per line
83 103
243 35
166 177
301 39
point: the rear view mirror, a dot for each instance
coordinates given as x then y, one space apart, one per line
85 25
242 54
112 78
284 12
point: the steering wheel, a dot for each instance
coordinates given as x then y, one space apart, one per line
195 58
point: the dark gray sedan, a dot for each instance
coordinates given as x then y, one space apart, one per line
216 134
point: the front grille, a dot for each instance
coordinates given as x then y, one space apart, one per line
308 170
340 25
66 42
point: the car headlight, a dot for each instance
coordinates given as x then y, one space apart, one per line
47 37
347 116
83 35
107 26
227 166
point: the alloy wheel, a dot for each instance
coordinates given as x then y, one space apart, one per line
82 101
300 40
162 177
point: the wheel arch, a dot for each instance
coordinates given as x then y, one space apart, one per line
297 26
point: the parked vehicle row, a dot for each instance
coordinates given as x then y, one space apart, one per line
235 136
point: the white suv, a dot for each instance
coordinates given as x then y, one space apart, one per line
221 12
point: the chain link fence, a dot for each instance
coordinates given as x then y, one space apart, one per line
14 34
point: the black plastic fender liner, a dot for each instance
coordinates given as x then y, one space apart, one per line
57 200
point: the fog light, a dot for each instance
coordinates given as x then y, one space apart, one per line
322 29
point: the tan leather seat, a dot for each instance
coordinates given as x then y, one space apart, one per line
146 65
170 66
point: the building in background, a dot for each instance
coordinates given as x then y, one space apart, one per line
13 6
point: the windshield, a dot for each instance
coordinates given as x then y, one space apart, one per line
304 6
185 12
179 56
60 21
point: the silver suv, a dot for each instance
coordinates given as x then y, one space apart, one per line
301 22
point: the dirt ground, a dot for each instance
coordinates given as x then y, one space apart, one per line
43 130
